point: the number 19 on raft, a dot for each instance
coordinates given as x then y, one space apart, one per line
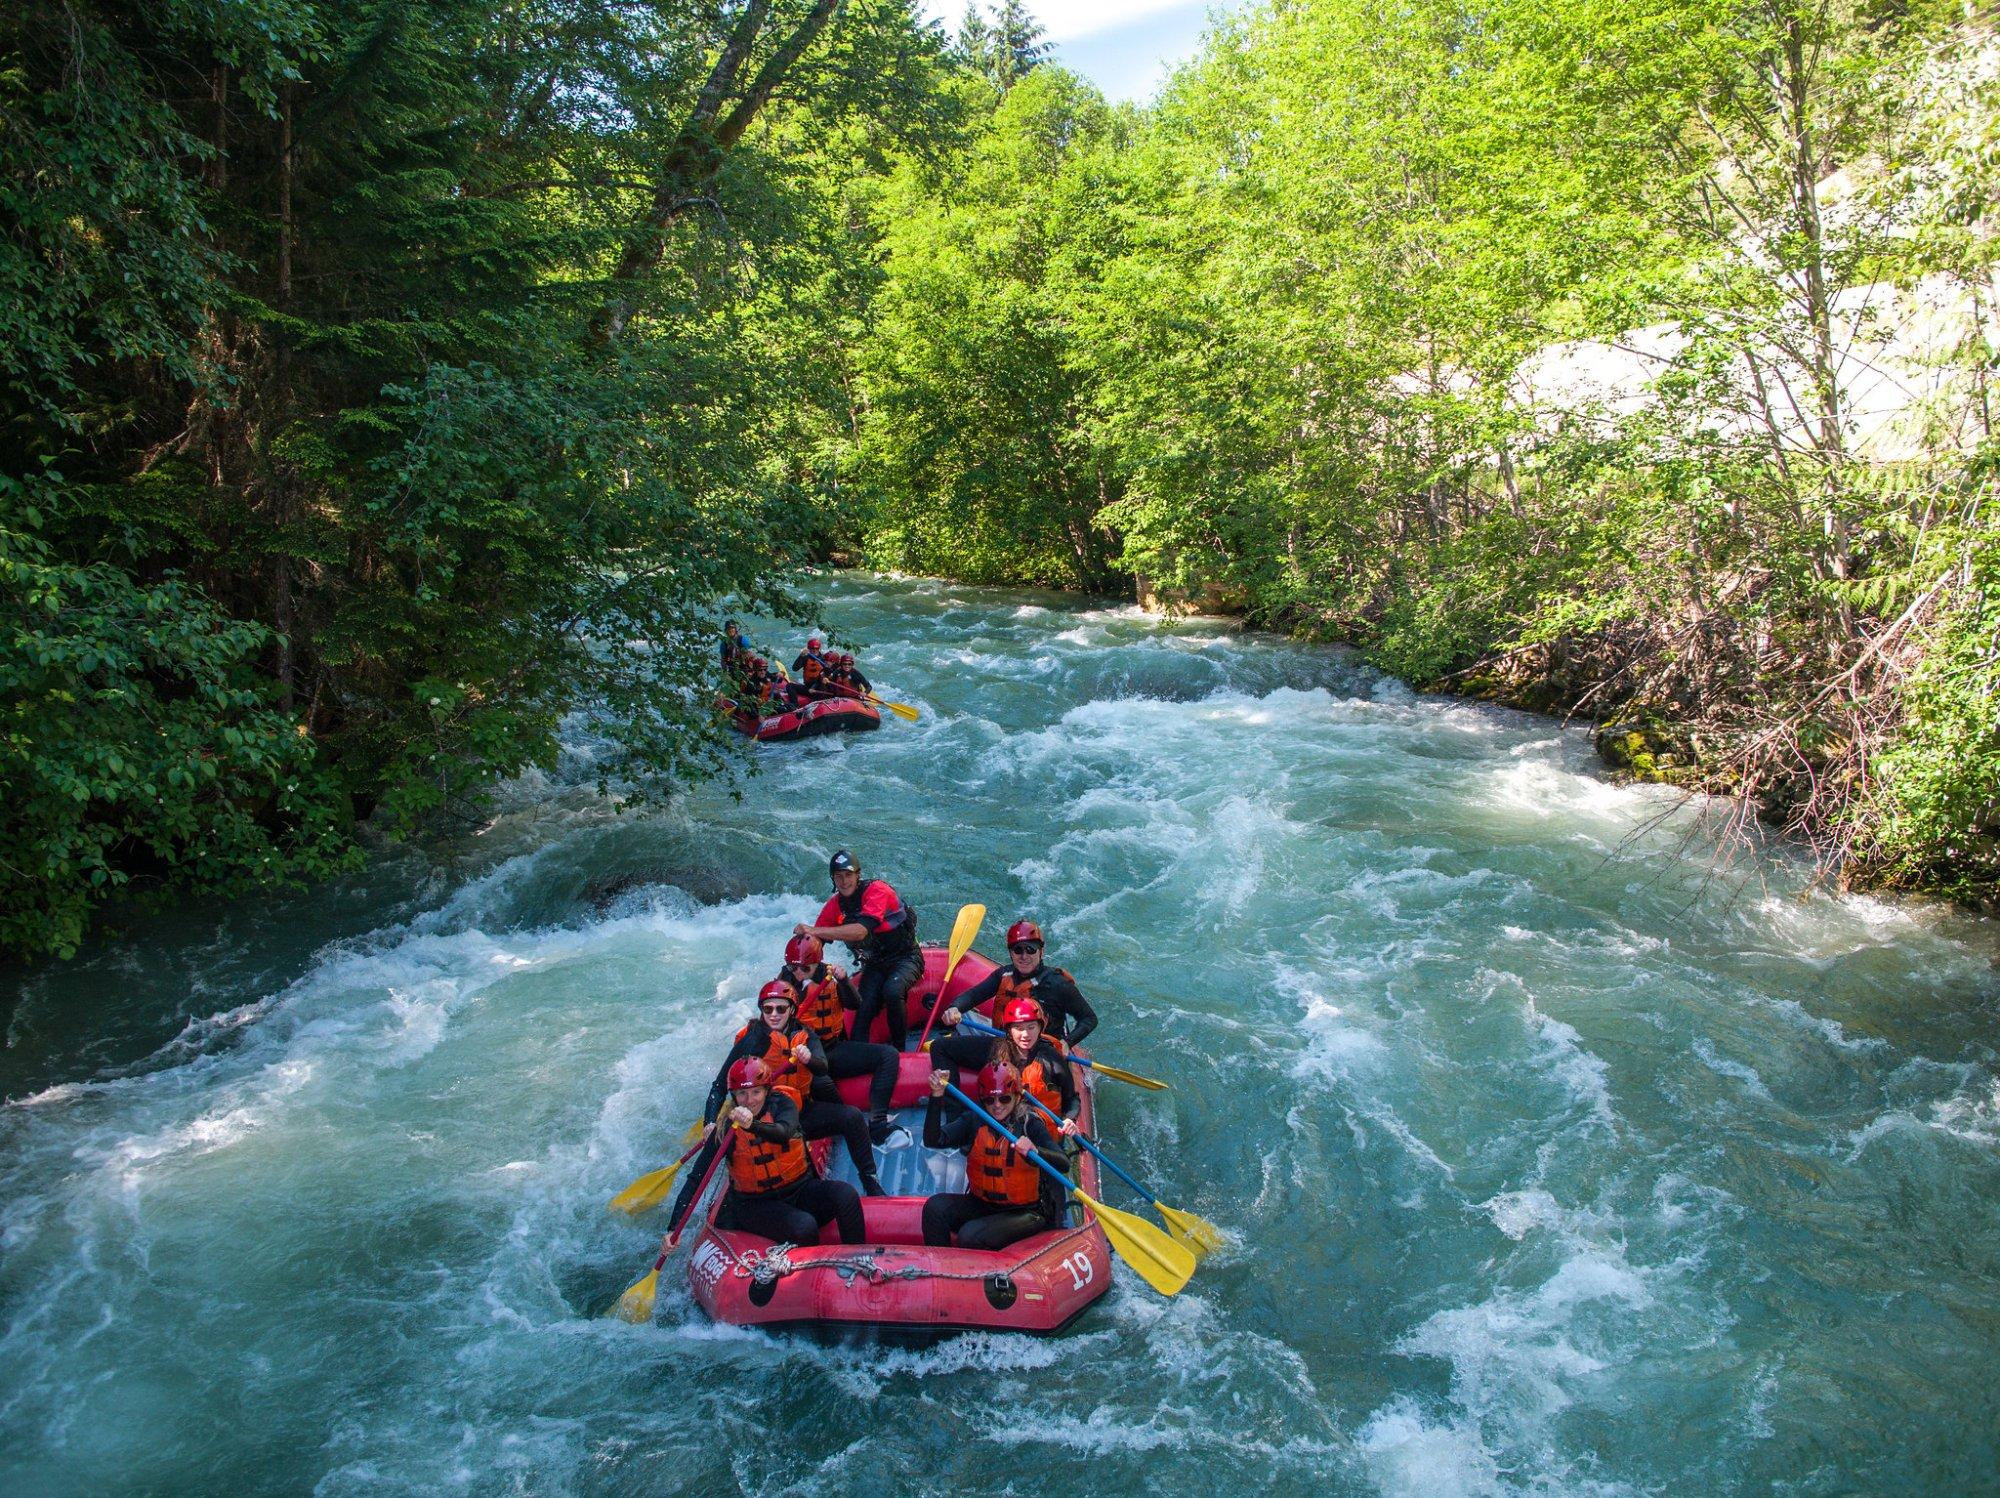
1081 1270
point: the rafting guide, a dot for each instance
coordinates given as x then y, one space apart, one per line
991 1221
881 931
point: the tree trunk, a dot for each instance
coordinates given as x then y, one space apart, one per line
705 140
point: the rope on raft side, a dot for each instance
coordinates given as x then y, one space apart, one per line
768 1266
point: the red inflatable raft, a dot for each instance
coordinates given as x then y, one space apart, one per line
893 1283
807 720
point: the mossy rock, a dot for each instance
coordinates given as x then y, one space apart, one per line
1648 750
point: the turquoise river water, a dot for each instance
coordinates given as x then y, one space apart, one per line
1550 1161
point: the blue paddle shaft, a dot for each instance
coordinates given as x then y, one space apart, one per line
979 1027
1088 1143
1001 1129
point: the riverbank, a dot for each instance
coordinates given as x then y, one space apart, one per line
1640 739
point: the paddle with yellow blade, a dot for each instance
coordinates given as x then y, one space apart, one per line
651 1189
902 710
1117 1073
1201 1236
636 1304
1162 1263
964 931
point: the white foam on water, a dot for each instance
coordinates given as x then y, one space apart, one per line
1882 1126
1971 1118
1385 1118
1545 791
1722 1066
1409 1455
1102 1432
1341 1046
1584 1075
1517 1213
1522 1356
864 1376
1829 1030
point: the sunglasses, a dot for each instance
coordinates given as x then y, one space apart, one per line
775 1008
1023 948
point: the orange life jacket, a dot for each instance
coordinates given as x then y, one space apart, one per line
821 1011
1036 1079
1014 986
812 671
788 1074
994 1173
758 1167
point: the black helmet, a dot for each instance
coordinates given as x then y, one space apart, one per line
842 862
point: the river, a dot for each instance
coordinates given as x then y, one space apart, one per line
1551 1160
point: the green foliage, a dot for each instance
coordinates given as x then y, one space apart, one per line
312 370
137 742
1006 47
973 437
1312 321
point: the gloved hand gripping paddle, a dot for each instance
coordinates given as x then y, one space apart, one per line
1158 1260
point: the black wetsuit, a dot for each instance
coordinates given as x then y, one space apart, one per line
823 1115
891 960
972 1220
848 1057
796 1213
1070 1017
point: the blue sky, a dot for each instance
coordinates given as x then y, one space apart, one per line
1123 46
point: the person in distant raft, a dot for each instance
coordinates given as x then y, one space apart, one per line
766 693
825 998
773 1189
1007 1196
814 679
798 1066
881 932
1070 1017
734 648
813 657
849 675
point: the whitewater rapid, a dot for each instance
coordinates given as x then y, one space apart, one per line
1551 1159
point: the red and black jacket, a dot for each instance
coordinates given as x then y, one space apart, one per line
891 925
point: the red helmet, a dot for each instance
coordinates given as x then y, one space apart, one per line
813 642
779 988
1023 1011
750 1071
804 951
998 1079
846 659
1024 931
